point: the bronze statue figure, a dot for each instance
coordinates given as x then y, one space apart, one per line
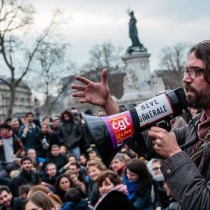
133 34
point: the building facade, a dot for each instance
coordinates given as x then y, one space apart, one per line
23 103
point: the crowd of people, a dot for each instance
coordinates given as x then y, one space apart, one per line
54 164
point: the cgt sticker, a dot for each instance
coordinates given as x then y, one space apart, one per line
120 127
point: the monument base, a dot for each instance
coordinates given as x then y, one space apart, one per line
139 84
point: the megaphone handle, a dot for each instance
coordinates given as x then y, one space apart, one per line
164 124
138 138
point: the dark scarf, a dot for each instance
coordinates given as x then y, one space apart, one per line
204 126
9 135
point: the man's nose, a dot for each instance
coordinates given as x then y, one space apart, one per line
186 77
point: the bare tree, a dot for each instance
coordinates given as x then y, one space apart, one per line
17 56
174 58
57 102
107 55
104 55
172 61
50 67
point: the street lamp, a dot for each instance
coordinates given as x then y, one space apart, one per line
36 103
2 103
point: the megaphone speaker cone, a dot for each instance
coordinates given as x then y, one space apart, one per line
104 138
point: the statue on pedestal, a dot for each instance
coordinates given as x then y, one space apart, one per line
133 34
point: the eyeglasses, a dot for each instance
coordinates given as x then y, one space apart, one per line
155 168
193 72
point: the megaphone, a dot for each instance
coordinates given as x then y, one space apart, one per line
111 132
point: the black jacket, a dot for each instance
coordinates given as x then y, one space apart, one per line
31 178
51 138
59 161
93 193
70 134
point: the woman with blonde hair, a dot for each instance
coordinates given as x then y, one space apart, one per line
94 169
40 200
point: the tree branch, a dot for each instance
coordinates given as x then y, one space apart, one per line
5 82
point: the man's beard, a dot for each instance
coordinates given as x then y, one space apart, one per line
27 169
200 99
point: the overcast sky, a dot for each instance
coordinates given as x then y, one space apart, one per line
161 23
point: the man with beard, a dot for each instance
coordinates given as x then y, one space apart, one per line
187 172
15 126
7 202
26 176
70 133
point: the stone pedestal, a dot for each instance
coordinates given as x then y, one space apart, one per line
138 82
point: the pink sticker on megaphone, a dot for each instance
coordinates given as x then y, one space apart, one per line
120 127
